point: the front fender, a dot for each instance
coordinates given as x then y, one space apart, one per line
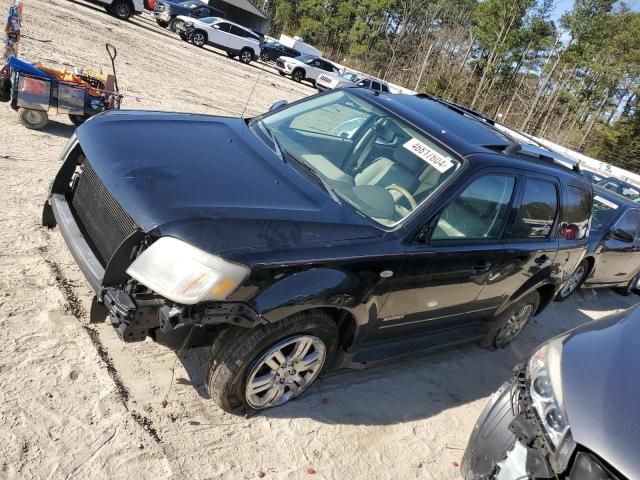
314 288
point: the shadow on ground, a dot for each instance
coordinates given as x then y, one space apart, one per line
424 385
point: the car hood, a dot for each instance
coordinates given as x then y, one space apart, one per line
600 364
211 182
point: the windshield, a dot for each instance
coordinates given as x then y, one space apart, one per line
306 58
621 188
372 160
604 212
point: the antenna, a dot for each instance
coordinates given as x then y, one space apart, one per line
251 94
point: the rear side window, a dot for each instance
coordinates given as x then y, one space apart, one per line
385 88
576 214
537 211
238 31
479 212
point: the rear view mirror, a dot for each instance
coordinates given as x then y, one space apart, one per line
278 105
621 235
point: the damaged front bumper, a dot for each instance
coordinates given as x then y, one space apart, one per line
505 444
134 311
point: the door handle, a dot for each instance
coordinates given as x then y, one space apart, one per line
541 259
481 267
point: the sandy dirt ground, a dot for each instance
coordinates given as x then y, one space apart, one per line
75 402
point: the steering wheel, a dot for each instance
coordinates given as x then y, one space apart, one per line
404 193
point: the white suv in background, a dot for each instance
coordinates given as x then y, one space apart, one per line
305 67
122 9
234 39
327 81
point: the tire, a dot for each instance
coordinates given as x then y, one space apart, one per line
298 75
574 282
246 56
630 287
121 9
78 120
199 38
33 119
173 23
239 354
163 24
264 57
503 330
184 37
282 74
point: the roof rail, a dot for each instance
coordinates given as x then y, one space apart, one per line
542 154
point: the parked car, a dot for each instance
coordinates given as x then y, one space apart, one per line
167 13
272 50
593 177
122 9
570 412
626 189
236 40
304 67
613 256
328 81
303 248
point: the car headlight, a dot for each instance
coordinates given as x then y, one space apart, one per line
544 379
185 274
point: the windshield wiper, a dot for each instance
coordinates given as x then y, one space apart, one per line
327 186
274 139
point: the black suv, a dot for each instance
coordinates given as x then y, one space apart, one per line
166 12
341 230
271 51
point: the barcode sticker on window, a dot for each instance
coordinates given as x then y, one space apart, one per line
606 202
433 158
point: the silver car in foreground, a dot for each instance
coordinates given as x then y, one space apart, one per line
570 412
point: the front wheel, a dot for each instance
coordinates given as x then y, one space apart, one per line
78 120
574 282
508 325
121 9
33 119
246 55
264 57
298 75
254 369
199 38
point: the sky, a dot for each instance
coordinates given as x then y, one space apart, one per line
565 5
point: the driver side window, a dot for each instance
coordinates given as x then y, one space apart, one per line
479 211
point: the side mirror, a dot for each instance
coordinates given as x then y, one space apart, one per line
278 105
621 235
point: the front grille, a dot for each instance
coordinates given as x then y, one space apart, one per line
99 215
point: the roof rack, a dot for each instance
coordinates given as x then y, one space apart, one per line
542 154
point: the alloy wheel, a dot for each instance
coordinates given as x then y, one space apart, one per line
298 76
573 282
245 56
198 39
123 11
514 325
285 371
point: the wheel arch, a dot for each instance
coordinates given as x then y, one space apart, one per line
543 282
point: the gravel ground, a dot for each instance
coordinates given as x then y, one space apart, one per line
76 402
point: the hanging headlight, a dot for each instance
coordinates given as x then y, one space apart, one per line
185 274
544 378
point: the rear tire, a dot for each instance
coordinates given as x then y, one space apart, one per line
508 325
199 38
33 119
631 286
246 56
121 9
239 354
264 57
78 120
574 282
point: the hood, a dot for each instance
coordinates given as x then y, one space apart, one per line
211 182
601 387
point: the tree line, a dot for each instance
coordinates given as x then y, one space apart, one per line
575 81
